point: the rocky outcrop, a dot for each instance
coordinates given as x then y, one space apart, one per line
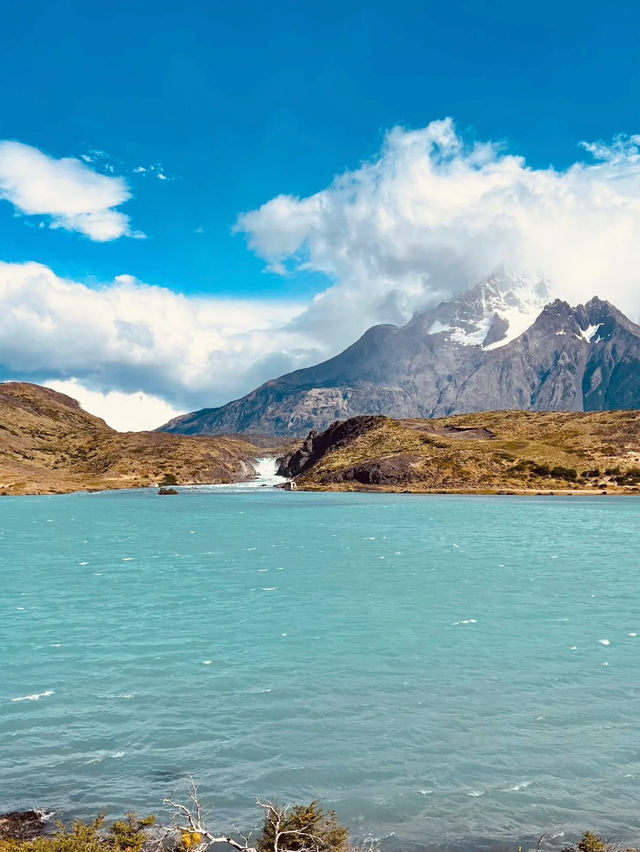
315 446
492 349
391 471
23 825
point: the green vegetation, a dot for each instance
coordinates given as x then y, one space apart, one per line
286 829
590 842
123 836
487 452
561 472
302 827
295 828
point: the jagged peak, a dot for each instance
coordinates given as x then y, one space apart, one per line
597 302
492 313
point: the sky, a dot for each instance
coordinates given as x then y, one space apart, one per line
197 197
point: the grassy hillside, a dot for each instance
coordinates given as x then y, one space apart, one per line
488 452
48 444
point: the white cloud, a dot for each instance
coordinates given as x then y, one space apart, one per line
125 412
156 170
131 337
428 218
68 191
431 216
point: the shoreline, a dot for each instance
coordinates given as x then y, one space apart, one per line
20 828
472 492
360 489
114 485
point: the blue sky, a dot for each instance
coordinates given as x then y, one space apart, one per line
235 104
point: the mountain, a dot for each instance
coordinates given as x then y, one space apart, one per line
502 345
489 452
48 444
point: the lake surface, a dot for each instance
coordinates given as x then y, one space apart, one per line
444 671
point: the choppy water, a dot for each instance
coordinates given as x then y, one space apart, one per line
441 670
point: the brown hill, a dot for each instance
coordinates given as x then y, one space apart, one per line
496 451
49 444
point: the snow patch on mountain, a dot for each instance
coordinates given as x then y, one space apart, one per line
495 312
475 337
589 333
438 328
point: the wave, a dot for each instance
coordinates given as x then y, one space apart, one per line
35 697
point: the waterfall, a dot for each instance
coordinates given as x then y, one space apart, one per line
266 470
264 480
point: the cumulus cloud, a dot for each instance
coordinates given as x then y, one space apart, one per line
432 215
125 412
427 218
71 194
131 337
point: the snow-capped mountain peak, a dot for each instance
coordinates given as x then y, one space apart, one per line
494 312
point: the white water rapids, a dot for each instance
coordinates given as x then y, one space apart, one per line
265 478
266 470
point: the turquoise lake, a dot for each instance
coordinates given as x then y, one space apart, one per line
444 671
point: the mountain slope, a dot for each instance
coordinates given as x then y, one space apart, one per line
497 347
48 444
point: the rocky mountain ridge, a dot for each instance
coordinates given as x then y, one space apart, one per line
500 346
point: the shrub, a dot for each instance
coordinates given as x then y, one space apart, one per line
588 843
123 836
628 477
568 473
301 827
433 442
127 834
540 469
594 473
169 479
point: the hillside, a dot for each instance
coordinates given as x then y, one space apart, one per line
502 345
48 445
498 451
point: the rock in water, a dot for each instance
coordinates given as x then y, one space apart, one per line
23 825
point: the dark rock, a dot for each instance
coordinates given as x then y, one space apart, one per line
23 825
479 433
163 492
315 446
497 330
394 470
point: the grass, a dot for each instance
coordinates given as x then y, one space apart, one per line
49 445
529 451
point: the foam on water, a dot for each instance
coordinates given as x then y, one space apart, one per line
520 721
265 479
35 697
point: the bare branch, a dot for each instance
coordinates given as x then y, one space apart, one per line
194 825
189 820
